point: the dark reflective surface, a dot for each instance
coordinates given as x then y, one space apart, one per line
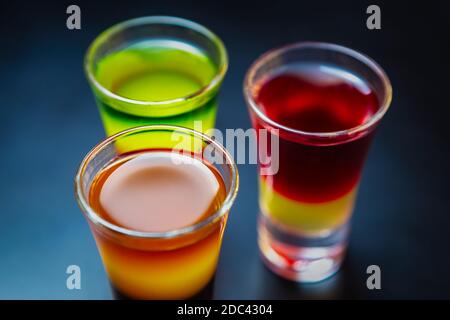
49 122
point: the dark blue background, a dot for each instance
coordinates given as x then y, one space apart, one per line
49 121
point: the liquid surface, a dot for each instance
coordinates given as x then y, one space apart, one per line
317 98
157 191
155 71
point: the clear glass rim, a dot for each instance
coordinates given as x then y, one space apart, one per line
149 20
263 59
97 220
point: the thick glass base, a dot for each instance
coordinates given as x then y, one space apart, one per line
299 257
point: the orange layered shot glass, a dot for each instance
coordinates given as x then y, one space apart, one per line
158 212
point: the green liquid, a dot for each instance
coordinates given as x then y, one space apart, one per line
155 71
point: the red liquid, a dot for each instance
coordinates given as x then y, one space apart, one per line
314 98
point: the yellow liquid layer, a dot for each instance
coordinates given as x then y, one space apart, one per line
179 273
307 218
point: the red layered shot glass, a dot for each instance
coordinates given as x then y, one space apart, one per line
323 102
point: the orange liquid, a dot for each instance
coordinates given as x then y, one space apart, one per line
158 191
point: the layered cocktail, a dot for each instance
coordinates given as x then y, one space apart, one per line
158 211
323 102
156 70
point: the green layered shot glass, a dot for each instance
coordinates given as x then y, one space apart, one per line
156 70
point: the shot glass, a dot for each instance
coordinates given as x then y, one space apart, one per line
169 262
323 101
156 70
